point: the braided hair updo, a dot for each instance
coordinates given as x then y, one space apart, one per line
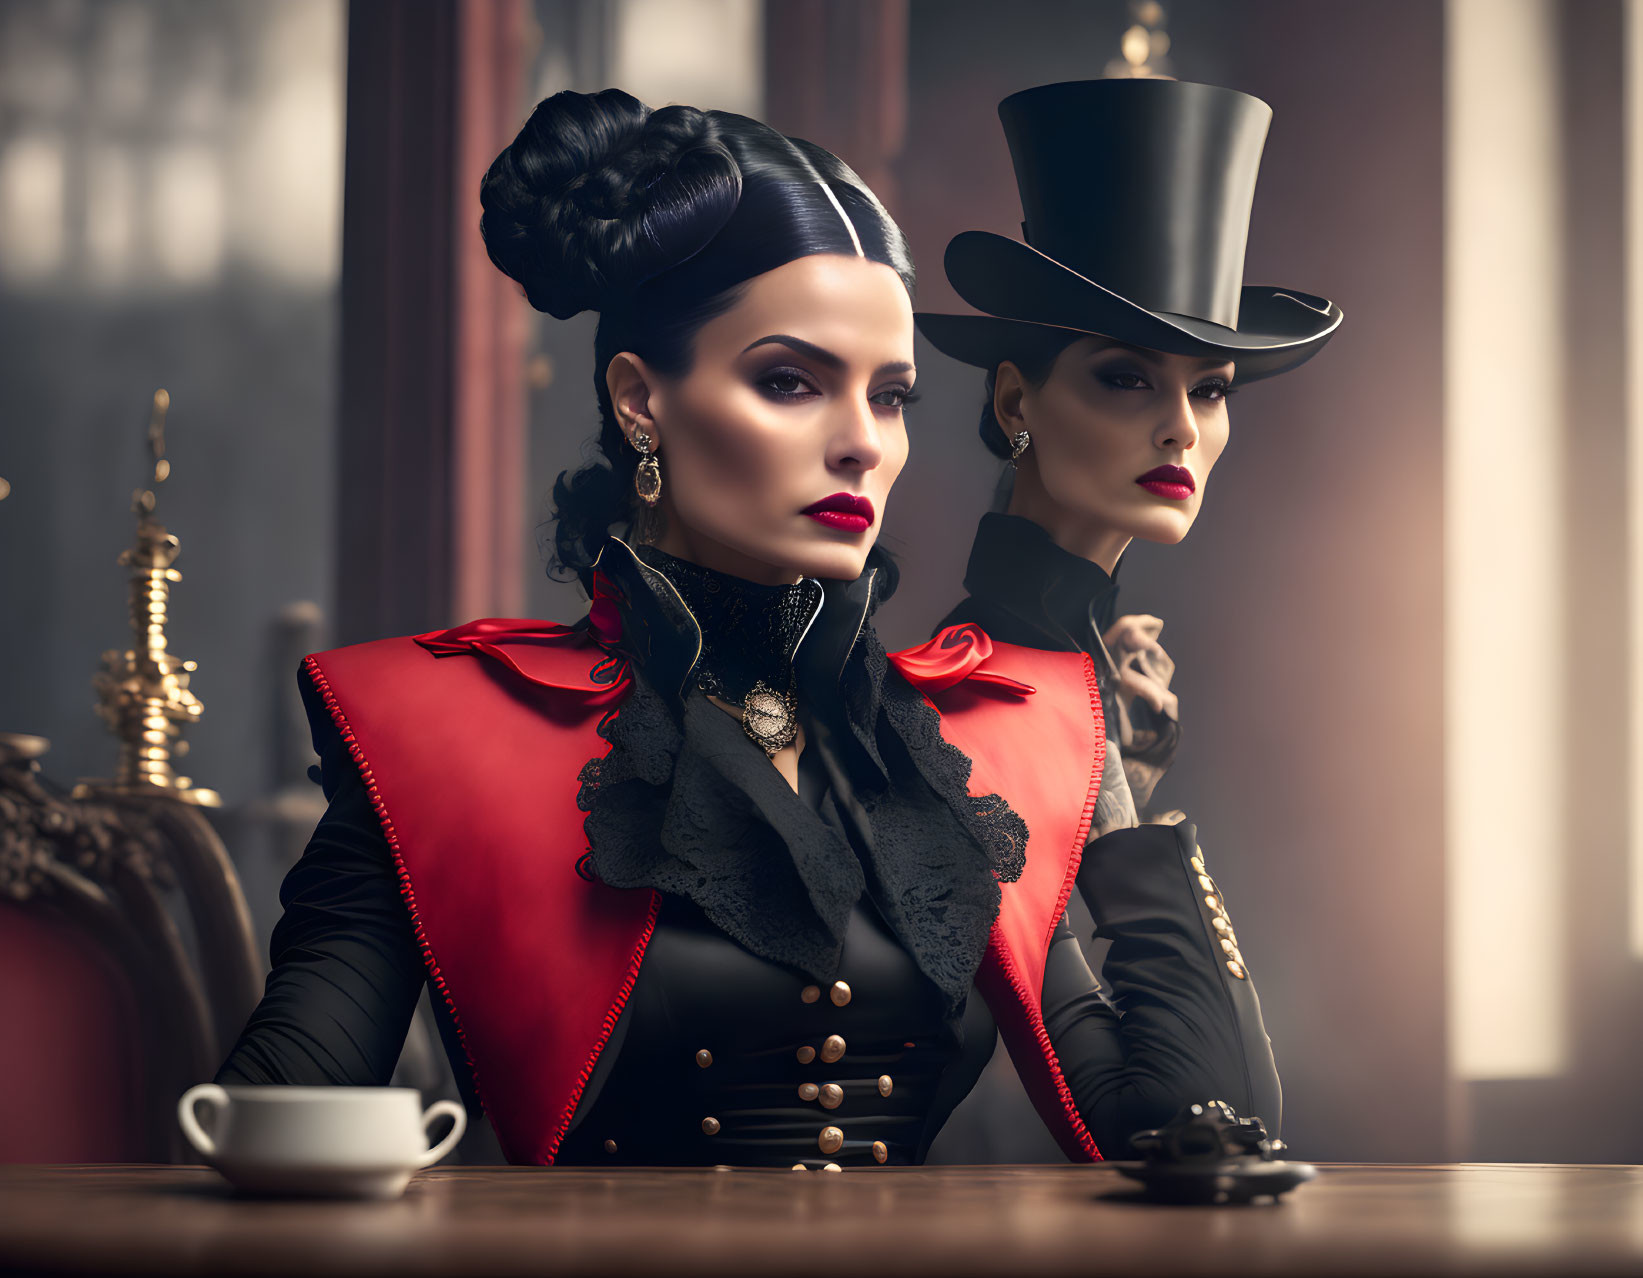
657 220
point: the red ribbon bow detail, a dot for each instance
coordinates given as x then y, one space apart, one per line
537 651
952 656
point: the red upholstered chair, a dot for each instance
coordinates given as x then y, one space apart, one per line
71 1085
107 1012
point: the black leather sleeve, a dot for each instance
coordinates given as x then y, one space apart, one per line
347 971
1173 1017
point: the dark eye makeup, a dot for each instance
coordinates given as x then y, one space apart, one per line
1214 389
786 384
790 385
900 397
1121 378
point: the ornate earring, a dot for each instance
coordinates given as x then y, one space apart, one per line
647 479
1018 445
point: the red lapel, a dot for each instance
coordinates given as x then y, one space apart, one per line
1031 723
534 961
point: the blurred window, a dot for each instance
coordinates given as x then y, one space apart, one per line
170 197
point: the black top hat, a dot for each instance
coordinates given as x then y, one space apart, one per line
1137 196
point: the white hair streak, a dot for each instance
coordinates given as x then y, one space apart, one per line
848 224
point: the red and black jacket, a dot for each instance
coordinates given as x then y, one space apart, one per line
469 743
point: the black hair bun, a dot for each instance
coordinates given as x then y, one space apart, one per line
599 193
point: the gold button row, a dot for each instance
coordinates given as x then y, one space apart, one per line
831 1095
832 1049
1227 938
831 1140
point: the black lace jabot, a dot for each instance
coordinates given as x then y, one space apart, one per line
684 802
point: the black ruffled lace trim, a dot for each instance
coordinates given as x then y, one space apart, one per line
938 852
995 826
689 805
680 808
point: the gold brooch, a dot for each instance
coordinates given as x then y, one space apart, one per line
770 717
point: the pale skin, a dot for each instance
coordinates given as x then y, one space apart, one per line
1107 414
793 394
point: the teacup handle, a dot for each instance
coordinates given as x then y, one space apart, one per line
459 1124
213 1095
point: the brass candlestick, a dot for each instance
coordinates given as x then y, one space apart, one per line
143 692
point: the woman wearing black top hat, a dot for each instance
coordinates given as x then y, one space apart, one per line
1111 339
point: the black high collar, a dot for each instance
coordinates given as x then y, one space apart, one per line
1054 598
663 636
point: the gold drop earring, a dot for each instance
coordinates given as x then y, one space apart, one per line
1018 445
647 479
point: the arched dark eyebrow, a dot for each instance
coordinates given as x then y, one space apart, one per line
1146 356
821 354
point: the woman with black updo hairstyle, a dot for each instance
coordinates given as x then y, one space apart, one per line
709 877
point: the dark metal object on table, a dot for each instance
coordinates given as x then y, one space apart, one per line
1207 1154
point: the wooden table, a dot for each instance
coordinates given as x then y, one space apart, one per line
1355 1219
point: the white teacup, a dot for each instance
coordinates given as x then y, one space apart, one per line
353 1142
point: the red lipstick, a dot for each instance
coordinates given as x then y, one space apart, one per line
1174 483
844 511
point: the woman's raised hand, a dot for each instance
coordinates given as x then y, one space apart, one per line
1149 726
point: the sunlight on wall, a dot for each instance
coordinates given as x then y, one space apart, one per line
33 174
1633 82
112 192
147 146
288 167
1504 525
186 213
708 53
